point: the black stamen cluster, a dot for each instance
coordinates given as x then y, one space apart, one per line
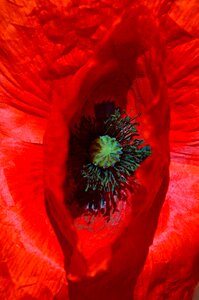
97 189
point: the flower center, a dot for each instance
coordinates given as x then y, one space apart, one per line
105 151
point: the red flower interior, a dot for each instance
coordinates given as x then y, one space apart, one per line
122 66
58 60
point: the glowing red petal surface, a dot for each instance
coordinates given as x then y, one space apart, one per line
46 65
183 93
97 261
171 269
29 248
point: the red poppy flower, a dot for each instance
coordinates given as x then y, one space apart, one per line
58 61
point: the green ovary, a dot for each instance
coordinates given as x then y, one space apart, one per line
105 151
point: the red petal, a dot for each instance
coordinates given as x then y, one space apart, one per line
183 94
171 270
22 126
179 27
42 38
32 264
99 251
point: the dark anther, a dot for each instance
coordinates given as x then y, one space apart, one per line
105 152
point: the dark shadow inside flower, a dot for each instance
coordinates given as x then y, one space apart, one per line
126 69
104 153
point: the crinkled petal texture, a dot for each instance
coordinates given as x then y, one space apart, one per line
171 268
106 258
31 264
57 60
